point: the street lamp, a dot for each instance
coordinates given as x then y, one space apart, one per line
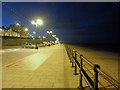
57 40
39 22
53 35
36 23
49 32
33 22
34 32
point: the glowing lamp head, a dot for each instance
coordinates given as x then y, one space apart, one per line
39 22
17 24
33 22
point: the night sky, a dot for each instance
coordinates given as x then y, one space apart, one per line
71 22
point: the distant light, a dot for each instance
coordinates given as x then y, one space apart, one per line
26 29
17 24
39 22
49 32
34 32
57 39
53 35
44 37
33 22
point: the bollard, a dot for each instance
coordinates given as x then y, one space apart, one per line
80 83
96 66
75 73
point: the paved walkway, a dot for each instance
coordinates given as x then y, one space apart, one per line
54 72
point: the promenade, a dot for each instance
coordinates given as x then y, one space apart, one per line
48 67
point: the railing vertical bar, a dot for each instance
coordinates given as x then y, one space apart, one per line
96 66
75 55
80 82
72 57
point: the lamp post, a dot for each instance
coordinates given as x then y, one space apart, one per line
49 32
57 39
36 23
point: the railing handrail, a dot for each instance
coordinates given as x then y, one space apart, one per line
109 78
86 60
96 68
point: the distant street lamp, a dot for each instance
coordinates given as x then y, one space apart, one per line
17 24
49 32
34 32
57 40
33 22
53 35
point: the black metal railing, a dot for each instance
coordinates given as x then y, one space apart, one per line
90 72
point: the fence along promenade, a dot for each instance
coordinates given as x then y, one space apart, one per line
92 74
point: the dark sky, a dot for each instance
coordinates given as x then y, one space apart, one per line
72 22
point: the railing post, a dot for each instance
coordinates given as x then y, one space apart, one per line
96 66
75 73
72 56
80 82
